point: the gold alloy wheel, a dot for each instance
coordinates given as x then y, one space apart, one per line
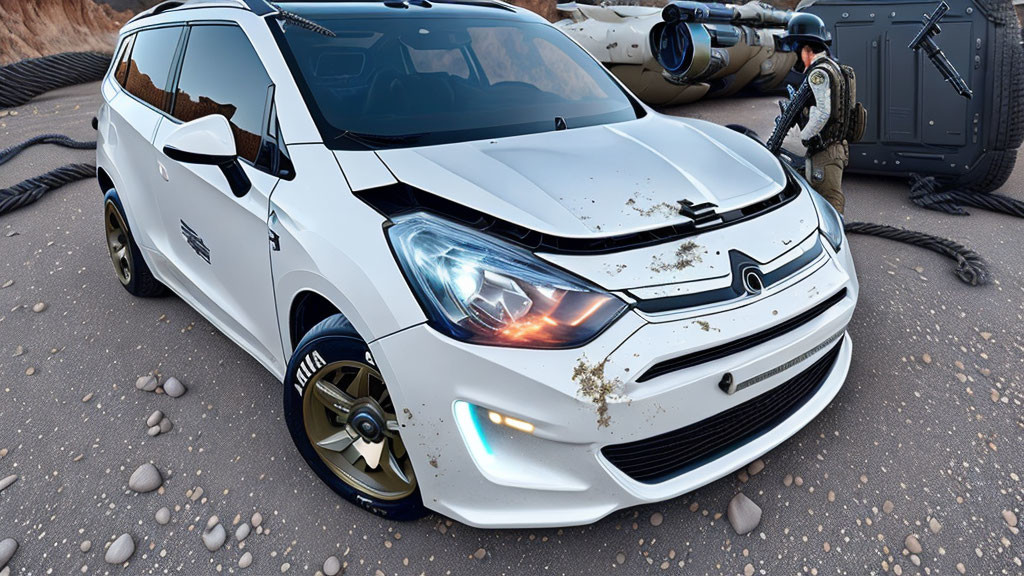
119 244
351 423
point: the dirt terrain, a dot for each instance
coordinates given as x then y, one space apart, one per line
34 28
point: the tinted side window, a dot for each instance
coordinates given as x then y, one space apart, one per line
150 65
121 72
221 74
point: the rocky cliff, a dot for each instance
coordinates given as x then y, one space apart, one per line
33 28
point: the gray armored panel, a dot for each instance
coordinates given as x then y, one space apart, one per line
917 123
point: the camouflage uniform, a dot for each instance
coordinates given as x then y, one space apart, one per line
825 125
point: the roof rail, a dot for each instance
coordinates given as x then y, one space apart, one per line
258 7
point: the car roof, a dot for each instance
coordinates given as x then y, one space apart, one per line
349 7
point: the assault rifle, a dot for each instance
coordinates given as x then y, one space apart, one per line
935 54
791 109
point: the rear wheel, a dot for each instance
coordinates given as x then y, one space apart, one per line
343 421
129 267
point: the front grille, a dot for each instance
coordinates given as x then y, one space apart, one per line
670 454
730 348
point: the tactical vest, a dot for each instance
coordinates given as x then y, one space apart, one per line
848 118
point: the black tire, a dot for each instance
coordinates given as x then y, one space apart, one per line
141 282
1006 119
335 340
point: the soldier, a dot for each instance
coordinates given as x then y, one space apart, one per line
833 117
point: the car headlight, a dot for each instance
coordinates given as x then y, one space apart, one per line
478 289
829 222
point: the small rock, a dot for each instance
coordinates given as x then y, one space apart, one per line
245 561
332 566
121 550
154 419
163 516
30 371
743 514
214 537
927 358
18 351
961 568
165 425
87 397
1010 518
7 284
3 452
174 388
755 467
480 554
657 519
39 307
986 335
146 478
8 547
934 525
748 570
147 383
887 506
85 546
912 544
153 430
788 480
285 567
242 532
256 520
6 482
620 558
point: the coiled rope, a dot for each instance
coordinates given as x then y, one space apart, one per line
926 193
24 80
56 139
28 191
971 268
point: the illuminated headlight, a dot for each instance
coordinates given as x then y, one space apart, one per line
829 222
478 289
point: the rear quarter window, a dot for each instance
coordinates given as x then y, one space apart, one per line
149 66
124 57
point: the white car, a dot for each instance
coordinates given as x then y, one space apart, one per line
494 284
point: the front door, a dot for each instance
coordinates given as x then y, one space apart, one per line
221 255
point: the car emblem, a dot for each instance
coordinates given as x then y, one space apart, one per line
195 241
753 282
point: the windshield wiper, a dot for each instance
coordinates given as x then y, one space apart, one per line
379 140
304 23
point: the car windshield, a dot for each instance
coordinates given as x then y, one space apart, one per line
394 81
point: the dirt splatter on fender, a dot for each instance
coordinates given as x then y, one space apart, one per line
595 386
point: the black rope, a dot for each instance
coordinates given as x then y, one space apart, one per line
24 80
971 268
56 139
28 191
927 193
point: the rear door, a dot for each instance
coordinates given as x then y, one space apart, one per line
222 253
144 72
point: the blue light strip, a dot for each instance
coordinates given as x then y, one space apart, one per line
472 433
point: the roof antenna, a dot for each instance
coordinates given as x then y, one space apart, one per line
305 23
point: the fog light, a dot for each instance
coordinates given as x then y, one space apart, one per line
511 422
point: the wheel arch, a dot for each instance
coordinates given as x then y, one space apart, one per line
307 309
105 181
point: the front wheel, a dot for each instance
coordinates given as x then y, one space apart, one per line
343 421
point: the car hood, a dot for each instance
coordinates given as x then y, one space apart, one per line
596 181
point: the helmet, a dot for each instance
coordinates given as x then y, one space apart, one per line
805 28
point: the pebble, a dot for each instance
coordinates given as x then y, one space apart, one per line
256 520
18 351
121 550
913 544
961 568
8 547
285 567
755 467
174 388
934 525
85 546
6 482
657 519
30 371
214 536
165 425
245 561
39 307
154 418
620 558
1010 518
788 480
748 570
887 506
332 566
163 516
146 383
744 514
242 532
480 554
146 478
927 358
87 397
153 430
7 284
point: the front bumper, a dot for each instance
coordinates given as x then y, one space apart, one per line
490 475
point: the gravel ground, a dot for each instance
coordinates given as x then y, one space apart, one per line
909 470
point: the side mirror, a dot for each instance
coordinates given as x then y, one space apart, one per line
209 141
